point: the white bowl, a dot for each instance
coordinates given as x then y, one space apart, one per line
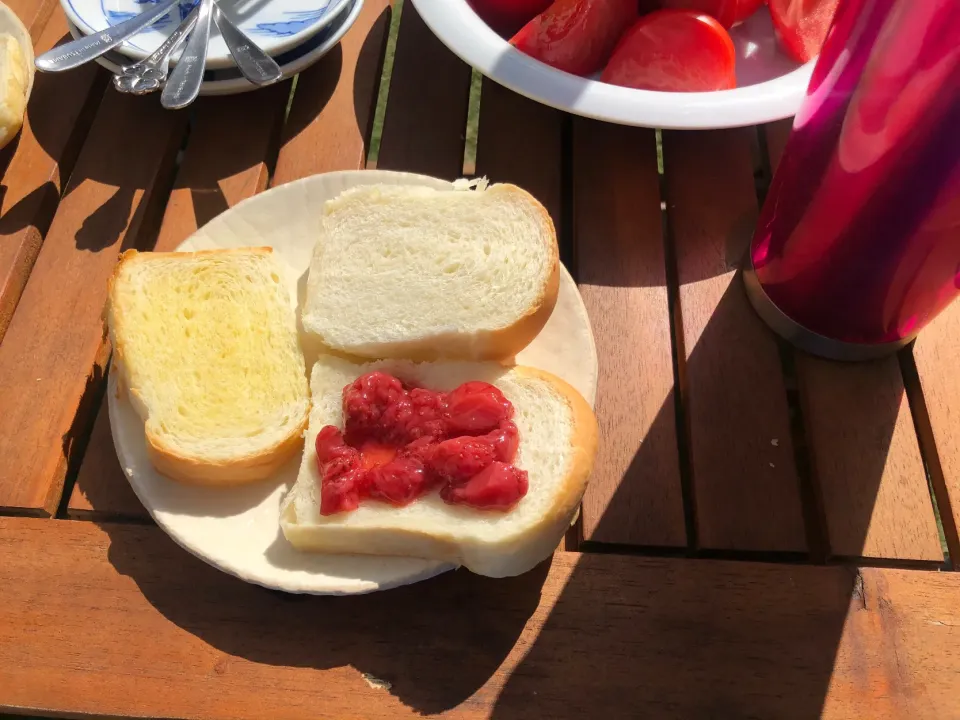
770 86
277 26
230 81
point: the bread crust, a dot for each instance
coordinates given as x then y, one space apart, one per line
511 556
167 460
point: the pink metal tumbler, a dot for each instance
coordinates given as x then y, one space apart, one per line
858 245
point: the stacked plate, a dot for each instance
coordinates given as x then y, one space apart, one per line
295 33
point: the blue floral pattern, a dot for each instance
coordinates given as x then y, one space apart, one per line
298 21
278 23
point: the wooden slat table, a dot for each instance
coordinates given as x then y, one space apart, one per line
766 534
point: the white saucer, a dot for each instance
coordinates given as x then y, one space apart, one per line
237 530
277 26
229 81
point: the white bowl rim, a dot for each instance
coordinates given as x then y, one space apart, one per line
456 24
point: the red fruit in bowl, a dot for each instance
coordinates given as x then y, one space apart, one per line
576 36
802 25
674 51
508 16
726 12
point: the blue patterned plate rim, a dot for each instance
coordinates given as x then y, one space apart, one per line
277 26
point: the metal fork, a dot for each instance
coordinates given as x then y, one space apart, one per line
150 74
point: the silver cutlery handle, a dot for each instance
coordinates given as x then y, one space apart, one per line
149 74
161 56
258 67
183 86
76 53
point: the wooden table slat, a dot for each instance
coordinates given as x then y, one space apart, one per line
332 112
139 627
935 354
745 481
54 342
58 118
865 456
635 495
426 117
522 144
776 135
33 14
866 460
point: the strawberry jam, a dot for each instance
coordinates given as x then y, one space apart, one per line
401 442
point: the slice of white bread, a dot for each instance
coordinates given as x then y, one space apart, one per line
14 82
558 443
419 273
206 345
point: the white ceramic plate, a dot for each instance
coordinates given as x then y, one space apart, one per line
238 530
277 26
230 81
770 86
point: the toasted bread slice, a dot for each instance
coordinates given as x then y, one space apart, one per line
558 442
14 87
413 272
206 345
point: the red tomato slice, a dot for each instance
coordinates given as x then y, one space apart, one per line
576 36
674 51
802 25
508 16
726 12
746 8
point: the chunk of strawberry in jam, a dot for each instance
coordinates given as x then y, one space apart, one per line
343 481
366 399
417 414
459 459
420 449
399 443
429 410
498 487
399 482
505 441
476 408
342 493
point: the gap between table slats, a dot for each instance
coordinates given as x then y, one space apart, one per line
865 457
743 475
635 496
225 162
582 636
58 118
934 387
426 114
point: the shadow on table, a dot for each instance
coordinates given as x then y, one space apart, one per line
625 637
694 638
436 643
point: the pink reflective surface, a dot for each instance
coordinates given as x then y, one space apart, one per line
859 239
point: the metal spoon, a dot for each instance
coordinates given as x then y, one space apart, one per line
149 74
77 52
256 66
184 84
